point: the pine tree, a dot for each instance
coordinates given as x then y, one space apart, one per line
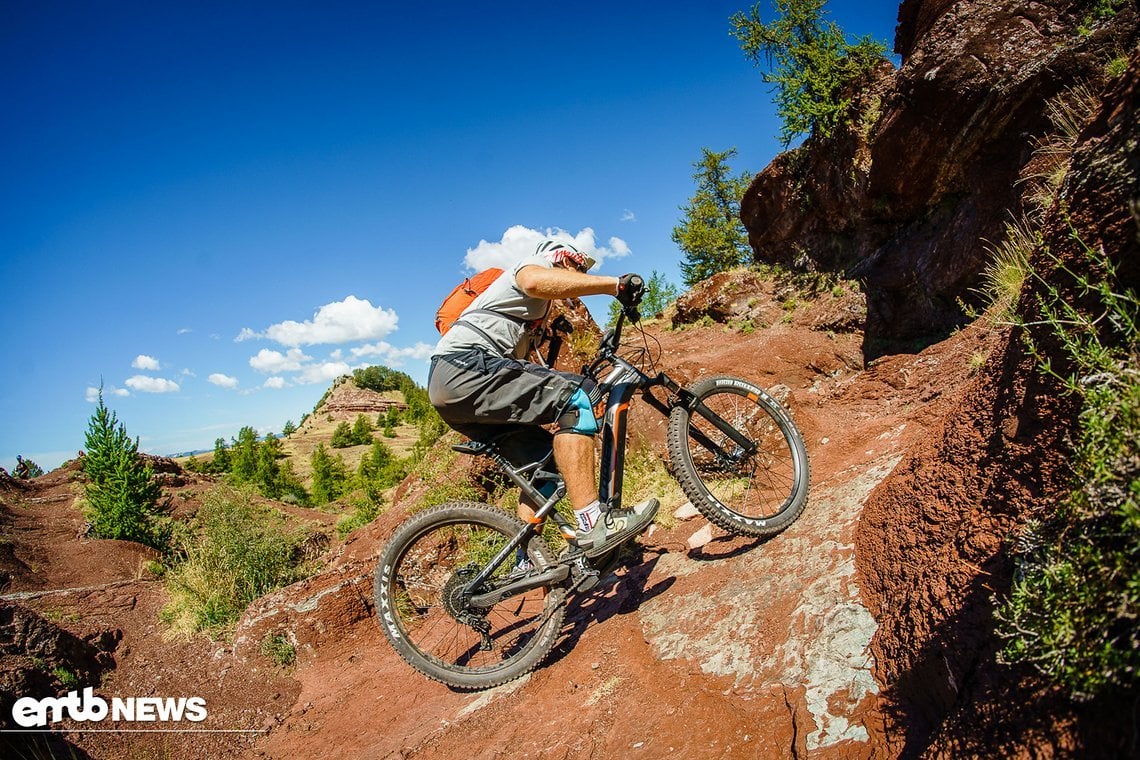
221 460
243 456
361 431
329 476
342 436
268 470
122 493
711 235
813 67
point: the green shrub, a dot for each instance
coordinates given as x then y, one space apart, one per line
278 648
365 511
66 678
342 436
1075 601
234 552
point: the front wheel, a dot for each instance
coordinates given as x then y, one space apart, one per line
739 457
424 597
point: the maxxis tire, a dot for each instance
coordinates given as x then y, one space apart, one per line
390 561
789 443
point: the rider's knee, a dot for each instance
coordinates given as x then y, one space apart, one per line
578 416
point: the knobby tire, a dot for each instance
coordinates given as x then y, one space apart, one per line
757 493
418 584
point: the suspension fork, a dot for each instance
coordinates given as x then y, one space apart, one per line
679 397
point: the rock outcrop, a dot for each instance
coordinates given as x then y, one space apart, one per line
906 196
933 544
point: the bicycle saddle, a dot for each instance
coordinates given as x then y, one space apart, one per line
474 448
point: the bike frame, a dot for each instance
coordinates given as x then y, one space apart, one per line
622 382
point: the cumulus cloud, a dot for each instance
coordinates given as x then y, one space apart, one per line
274 382
92 393
322 372
518 242
390 355
352 319
223 381
146 384
272 362
147 363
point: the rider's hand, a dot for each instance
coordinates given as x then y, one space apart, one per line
630 289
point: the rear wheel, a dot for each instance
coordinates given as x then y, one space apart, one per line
739 457
423 597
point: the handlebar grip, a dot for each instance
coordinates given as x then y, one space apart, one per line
631 287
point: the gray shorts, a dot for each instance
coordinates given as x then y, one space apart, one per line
485 396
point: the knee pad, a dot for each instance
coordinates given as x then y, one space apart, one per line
578 416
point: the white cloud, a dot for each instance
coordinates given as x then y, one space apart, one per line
271 362
339 322
628 216
323 372
92 393
223 381
185 330
144 362
274 382
145 384
518 242
392 356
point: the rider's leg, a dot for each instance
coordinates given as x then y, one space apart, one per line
574 455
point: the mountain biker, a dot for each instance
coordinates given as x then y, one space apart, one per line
482 386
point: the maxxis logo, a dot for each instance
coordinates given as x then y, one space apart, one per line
29 712
386 606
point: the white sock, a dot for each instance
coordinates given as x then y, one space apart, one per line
588 516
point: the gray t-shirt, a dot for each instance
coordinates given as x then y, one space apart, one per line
509 337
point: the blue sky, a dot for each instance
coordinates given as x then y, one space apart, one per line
212 209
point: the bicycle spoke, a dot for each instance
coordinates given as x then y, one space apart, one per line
756 485
432 575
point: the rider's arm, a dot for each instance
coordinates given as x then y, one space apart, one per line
552 284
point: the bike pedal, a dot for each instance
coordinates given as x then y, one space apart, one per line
588 581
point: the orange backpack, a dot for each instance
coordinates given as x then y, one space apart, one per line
462 296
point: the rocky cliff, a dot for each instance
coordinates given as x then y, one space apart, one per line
904 198
940 155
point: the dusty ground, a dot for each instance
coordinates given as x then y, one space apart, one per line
733 649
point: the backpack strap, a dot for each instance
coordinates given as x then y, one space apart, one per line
481 331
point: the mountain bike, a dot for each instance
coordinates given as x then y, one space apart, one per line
472 596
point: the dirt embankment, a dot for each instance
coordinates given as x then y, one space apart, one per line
724 648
